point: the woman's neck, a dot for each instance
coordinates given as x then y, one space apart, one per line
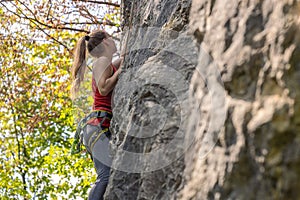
107 58
104 60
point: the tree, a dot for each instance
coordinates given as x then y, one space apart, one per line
37 114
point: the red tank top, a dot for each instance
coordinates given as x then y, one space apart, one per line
101 102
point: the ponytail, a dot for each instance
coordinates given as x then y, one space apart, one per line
95 49
79 66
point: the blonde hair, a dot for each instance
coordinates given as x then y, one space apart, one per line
91 43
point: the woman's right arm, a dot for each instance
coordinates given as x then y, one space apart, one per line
105 81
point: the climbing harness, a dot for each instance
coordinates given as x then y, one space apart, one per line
82 128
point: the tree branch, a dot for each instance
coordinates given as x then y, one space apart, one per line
34 22
49 9
59 42
6 1
99 2
43 24
109 23
23 172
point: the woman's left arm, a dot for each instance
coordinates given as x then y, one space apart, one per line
118 62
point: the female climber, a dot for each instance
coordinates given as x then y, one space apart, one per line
95 134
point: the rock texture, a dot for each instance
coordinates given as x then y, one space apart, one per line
218 81
256 47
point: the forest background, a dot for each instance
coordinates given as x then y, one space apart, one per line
37 115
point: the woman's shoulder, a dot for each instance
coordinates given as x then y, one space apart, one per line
102 66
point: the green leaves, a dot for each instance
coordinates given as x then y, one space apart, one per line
37 115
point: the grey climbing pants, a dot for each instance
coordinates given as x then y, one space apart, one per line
96 140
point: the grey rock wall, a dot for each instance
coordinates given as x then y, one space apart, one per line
207 106
255 45
149 114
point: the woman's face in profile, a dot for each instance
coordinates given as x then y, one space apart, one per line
111 42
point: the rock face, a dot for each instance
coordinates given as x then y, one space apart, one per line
207 106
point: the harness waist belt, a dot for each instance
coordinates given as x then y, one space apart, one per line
99 114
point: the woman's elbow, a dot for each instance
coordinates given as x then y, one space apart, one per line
103 92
